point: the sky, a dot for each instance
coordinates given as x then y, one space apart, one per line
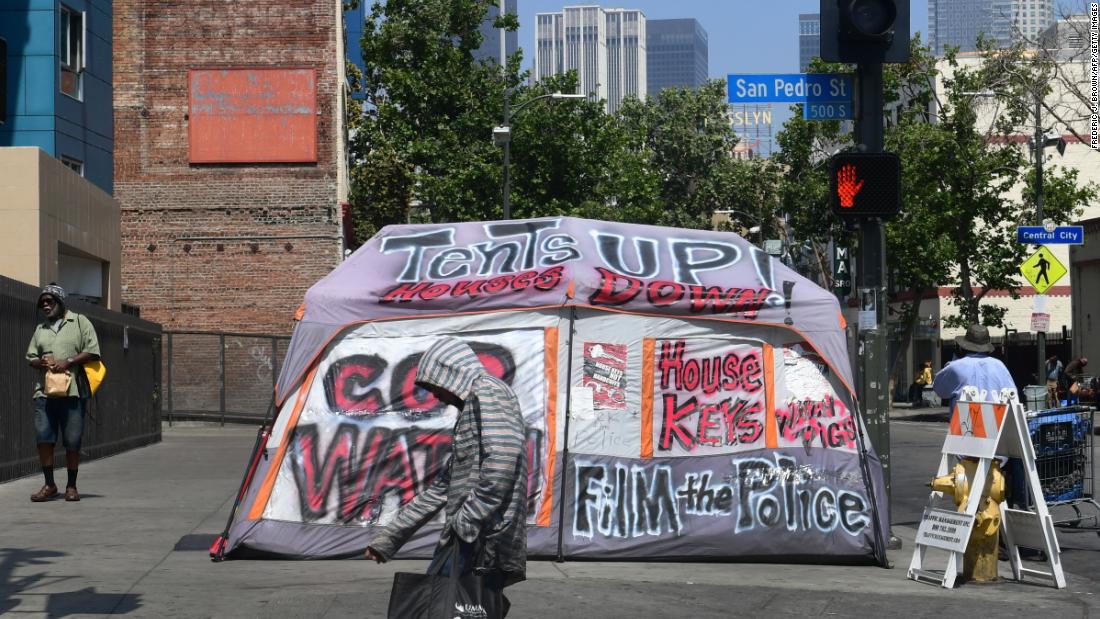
745 36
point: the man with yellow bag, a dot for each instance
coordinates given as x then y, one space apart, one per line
62 343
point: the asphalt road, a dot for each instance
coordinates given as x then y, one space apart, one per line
136 546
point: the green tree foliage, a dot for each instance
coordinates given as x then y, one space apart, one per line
422 136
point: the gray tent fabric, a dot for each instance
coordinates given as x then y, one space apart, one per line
684 395
437 269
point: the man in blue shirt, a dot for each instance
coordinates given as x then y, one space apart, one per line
977 369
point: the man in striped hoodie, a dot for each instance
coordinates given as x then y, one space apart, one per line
484 486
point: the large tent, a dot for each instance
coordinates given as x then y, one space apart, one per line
686 396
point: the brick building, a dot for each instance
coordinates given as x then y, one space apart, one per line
230 158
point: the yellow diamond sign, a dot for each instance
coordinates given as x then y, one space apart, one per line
1042 269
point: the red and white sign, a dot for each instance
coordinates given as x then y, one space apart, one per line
1040 322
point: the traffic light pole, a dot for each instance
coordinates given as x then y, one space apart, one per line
874 381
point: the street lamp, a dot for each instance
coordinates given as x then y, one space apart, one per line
502 136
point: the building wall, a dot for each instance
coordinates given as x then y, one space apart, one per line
605 47
490 36
809 39
39 113
230 246
677 54
55 219
959 22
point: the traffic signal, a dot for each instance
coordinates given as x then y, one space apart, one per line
864 31
865 184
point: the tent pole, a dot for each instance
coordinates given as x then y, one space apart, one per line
565 442
869 486
217 551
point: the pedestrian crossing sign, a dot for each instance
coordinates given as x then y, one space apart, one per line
1042 270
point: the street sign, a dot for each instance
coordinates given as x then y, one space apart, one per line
1042 270
829 110
842 272
1062 235
789 87
1040 322
865 184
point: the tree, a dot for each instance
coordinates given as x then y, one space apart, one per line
422 132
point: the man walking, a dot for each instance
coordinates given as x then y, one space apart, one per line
61 344
483 487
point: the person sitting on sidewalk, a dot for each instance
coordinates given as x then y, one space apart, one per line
916 390
61 344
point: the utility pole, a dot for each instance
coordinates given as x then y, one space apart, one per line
869 33
1038 145
874 383
506 190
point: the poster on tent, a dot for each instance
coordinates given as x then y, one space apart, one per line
709 396
368 439
753 454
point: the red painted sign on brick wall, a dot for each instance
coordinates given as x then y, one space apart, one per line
253 115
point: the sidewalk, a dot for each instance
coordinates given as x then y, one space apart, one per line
136 546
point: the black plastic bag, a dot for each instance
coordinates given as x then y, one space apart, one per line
433 596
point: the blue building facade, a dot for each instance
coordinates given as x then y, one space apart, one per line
59 92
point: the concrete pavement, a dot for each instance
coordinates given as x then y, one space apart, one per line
136 546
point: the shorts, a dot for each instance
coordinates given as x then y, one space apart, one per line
64 415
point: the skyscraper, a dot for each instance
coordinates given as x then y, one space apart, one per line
354 20
676 54
490 44
809 39
606 47
960 22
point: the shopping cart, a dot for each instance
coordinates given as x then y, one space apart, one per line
1062 438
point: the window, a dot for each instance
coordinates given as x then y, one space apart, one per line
70 50
75 165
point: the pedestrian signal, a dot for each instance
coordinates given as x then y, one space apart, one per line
865 184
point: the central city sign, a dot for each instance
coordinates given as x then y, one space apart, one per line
1062 235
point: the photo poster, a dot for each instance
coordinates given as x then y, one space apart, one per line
368 440
605 373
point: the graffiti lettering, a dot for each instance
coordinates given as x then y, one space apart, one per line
770 493
426 291
624 503
366 466
727 372
614 500
415 244
693 257
824 423
616 289
610 248
729 422
351 382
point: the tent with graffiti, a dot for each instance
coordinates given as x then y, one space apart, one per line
686 396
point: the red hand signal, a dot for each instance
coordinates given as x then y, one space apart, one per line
846 185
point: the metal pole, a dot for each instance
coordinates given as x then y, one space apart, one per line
1037 145
169 379
506 191
874 384
221 399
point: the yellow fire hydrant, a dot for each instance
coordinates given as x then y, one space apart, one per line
980 559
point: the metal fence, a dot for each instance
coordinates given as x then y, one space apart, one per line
221 376
125 412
